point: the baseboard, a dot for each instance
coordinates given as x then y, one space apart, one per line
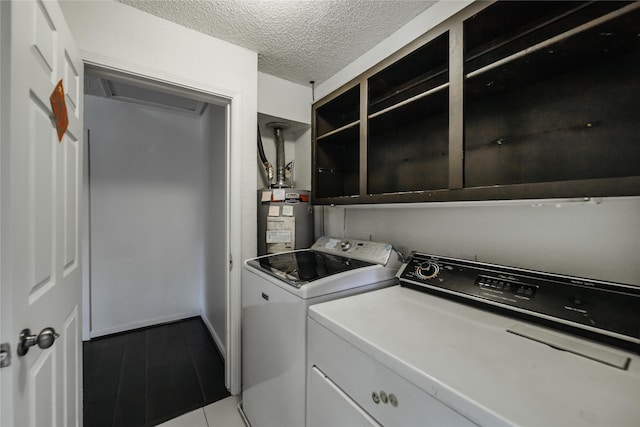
145 323
216 337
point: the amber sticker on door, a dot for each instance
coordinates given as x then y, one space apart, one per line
59 108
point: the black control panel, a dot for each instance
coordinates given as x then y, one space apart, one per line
509 290
606 311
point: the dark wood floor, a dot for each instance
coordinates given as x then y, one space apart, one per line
148 376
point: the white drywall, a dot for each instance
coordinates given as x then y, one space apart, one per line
284 99
150 197
214 293
118 37
599 240
302 170
115 35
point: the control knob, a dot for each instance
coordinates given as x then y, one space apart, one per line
345 245
427 270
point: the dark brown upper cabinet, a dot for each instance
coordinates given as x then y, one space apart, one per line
512 100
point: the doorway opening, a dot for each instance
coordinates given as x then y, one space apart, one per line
156 205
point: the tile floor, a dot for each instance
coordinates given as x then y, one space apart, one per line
148 376
223 413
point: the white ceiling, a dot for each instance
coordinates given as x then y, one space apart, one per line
297 40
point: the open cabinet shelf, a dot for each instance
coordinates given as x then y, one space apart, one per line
560 107
337 164
339 113
421 72
509 100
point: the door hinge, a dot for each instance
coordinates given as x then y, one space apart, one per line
5 354
230 262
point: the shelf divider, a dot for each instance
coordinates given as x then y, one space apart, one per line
456 107
410 100
340 129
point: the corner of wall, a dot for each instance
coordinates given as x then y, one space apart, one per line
281 98
216 338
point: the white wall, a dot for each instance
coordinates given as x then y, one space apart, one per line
600 241
150 198
118 37
214 293
282 100
588 239
303 160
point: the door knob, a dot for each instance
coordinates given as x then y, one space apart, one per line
44 339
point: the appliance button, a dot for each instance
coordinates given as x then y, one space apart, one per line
393 400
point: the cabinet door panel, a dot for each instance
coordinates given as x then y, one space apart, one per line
361 377
329 406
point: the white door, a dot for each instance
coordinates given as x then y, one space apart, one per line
40 195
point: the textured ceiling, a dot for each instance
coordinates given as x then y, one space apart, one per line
297 40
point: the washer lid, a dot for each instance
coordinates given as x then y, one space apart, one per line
302 267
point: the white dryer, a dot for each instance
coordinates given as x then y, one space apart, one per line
277 290
465 343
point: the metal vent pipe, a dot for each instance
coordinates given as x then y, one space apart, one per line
278 130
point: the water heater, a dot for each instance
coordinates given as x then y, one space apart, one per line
285 216
285 220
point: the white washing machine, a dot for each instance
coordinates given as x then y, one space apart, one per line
277 290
